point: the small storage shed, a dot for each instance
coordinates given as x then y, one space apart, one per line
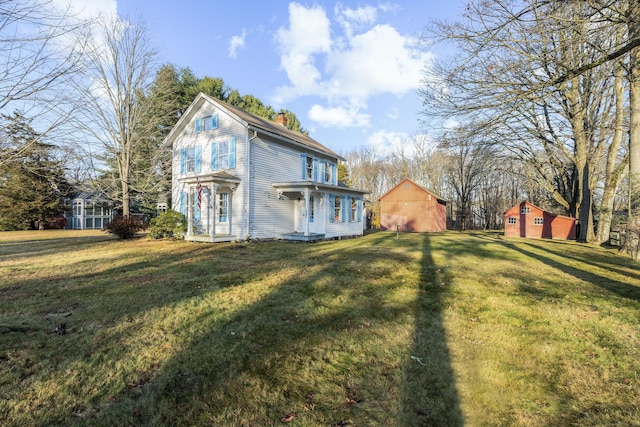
411 207
528 220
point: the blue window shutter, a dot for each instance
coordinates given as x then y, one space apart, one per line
344 208
359 203
232 153
304 165
214 156
183 160
315 169
214 121
332 206
198 125
334 173
183 204
198 159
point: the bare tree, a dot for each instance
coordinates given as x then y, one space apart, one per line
513 53
120 68
39 55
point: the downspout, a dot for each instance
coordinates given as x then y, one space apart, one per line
248 180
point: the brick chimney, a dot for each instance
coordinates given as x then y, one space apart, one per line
281 119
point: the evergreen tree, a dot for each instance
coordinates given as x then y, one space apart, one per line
32 181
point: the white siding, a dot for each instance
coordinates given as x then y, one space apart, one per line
228 127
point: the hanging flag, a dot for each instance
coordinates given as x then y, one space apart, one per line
199 191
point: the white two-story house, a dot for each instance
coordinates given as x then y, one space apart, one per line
238 176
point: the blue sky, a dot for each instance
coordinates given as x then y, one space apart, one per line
349 70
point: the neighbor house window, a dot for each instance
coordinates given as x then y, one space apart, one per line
538 221
524 210
337 208
223 207
512 220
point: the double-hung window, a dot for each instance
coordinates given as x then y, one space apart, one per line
354 209
312 211
223 207
309 168
191 159
223 154
337 209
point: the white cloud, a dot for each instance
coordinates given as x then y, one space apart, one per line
339 117
387 142
308 35
236 43
346 69
393 113
89 9
354 19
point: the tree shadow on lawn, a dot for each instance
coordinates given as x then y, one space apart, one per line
430 394
622 289
329 346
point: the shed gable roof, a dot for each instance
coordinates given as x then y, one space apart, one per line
260 124
407 180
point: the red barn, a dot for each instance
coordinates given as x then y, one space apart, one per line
412 207
527 220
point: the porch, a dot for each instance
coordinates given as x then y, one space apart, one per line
206 238
302 237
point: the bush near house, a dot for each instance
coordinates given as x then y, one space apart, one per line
126 227
170 224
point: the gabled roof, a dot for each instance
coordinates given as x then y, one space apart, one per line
525 202
417 185
251 121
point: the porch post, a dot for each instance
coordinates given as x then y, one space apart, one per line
189 212
230 209
212 206
307 208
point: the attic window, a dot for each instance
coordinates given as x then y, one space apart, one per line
525 210
207 123
407 186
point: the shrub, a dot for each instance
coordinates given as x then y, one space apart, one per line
126 227
169 224
56 223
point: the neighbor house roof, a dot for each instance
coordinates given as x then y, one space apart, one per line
251 121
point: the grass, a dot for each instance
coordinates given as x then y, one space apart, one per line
446 329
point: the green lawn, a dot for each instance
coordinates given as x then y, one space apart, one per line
443 329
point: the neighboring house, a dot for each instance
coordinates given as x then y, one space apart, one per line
238 176
89 212
528 220
411 207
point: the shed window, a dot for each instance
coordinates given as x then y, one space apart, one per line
538 221
512 220
524 210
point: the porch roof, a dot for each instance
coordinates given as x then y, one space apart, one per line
294 186
215 177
